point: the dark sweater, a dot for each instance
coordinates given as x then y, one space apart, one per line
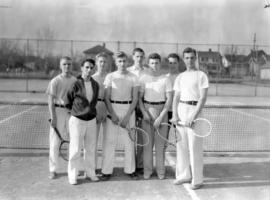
78 103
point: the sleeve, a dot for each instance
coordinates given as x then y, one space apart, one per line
168 84
142 84
204 82
176 86
52 88
108 81
136 81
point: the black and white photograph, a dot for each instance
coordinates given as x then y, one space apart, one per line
134 99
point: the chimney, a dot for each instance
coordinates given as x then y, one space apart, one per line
103 45
210 50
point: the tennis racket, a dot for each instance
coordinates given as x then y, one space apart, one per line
133 133
64 144
173 134
201 127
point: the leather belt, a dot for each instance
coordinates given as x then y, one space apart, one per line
193 103
59 105
100 99
121 102
154 103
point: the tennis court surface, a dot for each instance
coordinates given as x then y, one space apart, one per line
237 160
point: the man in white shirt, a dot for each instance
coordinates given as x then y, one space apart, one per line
59 115
174 70
155 100
138 69
190 96
121 95
99 76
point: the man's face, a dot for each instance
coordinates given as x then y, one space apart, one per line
138 58
121 63
173 64
154 64
189 59
102 63
65 66
87 69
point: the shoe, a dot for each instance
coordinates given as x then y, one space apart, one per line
195 187
73 182
139 170
105 177
180 182
133 176
161 176
81 173
52 175
147 176
92 178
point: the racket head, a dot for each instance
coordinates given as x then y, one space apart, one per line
133 134
202 127
173 134
64 150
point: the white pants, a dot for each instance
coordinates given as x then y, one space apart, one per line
115 134
104 127
62 118
82 135
189 160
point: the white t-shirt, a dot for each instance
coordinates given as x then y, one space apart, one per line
122 85
155 87
190 83
135 71
58 88
100 79
88 90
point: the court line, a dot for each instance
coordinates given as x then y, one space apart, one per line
170 161
250 115
18 114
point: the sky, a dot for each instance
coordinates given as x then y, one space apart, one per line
182 21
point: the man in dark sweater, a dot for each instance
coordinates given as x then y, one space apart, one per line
82 99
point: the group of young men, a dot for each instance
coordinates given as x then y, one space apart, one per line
135 95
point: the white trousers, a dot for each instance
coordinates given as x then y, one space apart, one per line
100 135
62 118
189 159
82 135
115 134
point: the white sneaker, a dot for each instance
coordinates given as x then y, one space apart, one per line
93 178
73 182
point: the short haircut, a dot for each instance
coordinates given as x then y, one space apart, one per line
138 50
189 50
65 58
102 54
120 54
174 55
88 60
154 56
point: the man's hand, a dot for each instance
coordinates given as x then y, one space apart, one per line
53 122
157 122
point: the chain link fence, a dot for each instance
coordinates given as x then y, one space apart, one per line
233 70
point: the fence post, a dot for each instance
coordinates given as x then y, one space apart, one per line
118 45
71 49
134 44
27 54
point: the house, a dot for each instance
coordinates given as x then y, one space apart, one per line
92 52
235 65
210 62
265 68
256 59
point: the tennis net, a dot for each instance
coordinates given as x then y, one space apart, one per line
236 128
